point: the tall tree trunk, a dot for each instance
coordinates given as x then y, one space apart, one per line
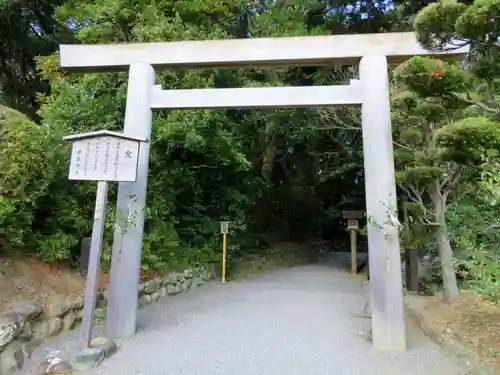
269 153
450 286
412 279
411 253
451 291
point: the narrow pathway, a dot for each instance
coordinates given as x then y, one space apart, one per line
298 321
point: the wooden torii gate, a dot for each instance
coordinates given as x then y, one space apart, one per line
372 52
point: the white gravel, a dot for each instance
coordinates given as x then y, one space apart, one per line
298 321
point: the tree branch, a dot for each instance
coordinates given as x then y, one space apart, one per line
416 196
202 166
479 104
451 180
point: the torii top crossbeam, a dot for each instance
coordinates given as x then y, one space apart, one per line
303 50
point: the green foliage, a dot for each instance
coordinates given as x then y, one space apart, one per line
438 123
439 23
470 136
470 140
420 175
430 77
56 247
27 29
204 165
414 234
476 25
474 221
274 174
437 145
490 182
25 158
435 24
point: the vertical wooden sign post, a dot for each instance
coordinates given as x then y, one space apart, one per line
352 227
224 229
352 218
101 156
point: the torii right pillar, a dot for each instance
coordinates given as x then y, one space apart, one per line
386 287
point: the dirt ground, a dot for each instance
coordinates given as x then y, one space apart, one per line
28 279
279 255
32 280
472 322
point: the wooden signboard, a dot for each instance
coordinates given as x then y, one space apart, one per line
101 156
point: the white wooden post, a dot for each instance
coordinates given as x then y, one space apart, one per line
94 269
127 243
386 286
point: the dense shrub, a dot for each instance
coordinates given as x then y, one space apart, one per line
25 165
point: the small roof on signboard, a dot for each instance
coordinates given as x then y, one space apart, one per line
353 214
102 133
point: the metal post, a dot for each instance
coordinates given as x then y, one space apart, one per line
127 243
354 260
224 256
386 284
94 265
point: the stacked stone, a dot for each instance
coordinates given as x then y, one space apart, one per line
173 284
28 323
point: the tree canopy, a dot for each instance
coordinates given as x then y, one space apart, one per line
275 174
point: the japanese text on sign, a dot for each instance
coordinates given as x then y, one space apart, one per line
104 159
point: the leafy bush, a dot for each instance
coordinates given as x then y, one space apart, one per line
475 222
25 162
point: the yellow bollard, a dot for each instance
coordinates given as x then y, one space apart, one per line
224 229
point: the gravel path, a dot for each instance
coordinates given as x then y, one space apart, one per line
297 321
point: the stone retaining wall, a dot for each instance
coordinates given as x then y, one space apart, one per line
28 323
